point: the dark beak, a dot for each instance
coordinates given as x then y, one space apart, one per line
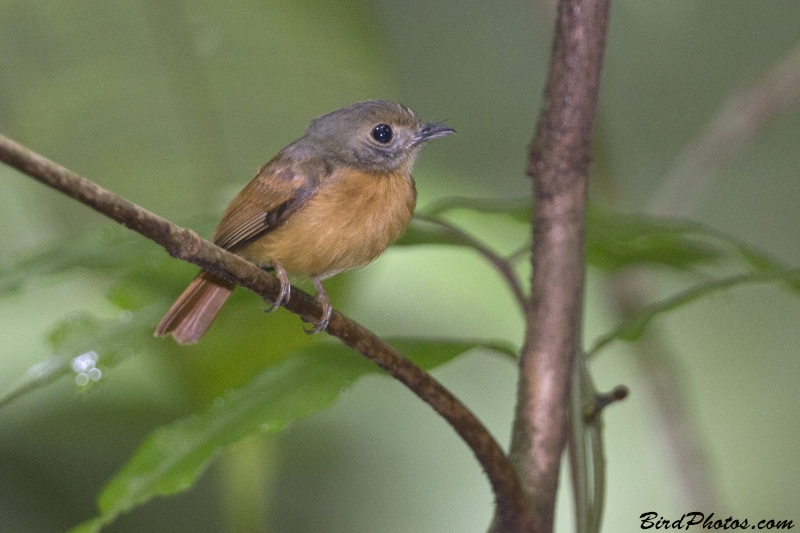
432 130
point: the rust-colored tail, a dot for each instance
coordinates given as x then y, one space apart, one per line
195 309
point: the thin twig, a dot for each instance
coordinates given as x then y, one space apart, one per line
743 116
188 246
501 265
558 162
520 253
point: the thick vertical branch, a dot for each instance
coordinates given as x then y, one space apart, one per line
558 164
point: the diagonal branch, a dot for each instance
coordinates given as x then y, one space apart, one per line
186 245
558 162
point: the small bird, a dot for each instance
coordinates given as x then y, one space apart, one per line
332 200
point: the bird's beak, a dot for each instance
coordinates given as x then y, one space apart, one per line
432 130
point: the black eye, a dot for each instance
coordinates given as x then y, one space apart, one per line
382 133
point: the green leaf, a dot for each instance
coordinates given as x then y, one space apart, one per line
90 526
110 248
517 208
615 241
37 376
633 328
101 249
425 232
171 458
85 347
763 263
428 354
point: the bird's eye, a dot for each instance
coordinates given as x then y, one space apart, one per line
382 133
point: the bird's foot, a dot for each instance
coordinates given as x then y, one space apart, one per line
286 288
327 309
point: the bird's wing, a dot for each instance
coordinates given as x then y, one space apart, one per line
279 189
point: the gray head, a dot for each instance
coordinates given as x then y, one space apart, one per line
375 135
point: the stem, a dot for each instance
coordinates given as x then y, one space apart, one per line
559 164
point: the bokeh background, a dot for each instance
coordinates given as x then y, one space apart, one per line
174 104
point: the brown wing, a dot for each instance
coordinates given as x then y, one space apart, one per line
279 189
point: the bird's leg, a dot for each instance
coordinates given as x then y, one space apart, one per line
325 302
286 288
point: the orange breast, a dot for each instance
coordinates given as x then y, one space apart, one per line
351 220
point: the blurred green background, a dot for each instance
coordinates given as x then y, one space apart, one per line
174 104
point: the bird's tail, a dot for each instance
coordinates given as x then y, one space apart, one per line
192 313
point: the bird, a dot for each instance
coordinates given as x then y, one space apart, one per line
330 201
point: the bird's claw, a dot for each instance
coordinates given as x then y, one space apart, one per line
286 288
327 309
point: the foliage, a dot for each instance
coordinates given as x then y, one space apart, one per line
176 111
309 379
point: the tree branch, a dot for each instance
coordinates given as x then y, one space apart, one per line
559 164
186 245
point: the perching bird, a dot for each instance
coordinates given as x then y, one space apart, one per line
332 200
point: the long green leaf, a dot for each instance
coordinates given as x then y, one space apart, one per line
111 247
172 457
83 347
764 263
517 208
423 232
615 241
